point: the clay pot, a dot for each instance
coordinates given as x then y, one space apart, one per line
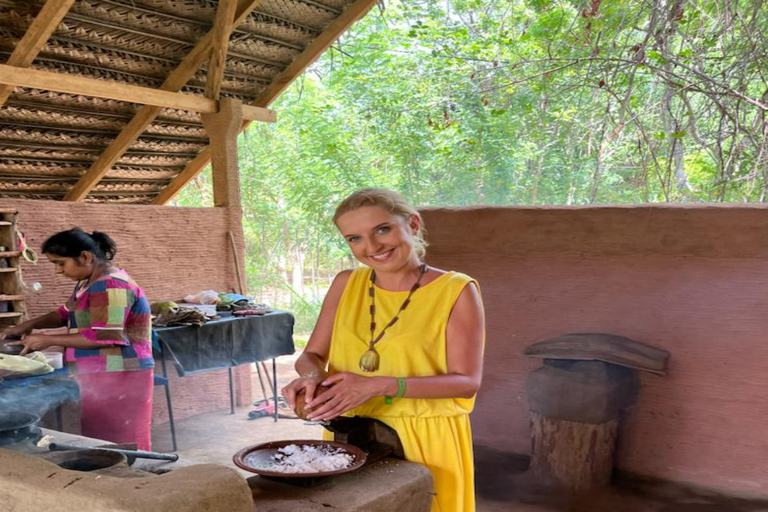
301 410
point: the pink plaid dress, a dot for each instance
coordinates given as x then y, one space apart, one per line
116 381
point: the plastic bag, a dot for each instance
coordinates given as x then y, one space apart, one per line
205 297
31 364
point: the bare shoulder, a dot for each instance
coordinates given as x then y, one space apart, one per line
432 274
339 283
468 310
341 279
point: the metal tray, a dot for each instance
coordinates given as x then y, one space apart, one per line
255 458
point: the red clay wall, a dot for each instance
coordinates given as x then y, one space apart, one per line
690 280
171 252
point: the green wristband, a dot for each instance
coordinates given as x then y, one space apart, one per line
400 391
400 387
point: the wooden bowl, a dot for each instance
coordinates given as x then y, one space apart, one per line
258 458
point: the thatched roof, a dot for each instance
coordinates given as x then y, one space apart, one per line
64 145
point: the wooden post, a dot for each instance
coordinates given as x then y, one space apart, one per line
222 128
575 410
572 455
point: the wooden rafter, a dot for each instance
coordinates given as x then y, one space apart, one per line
222 28
351 14
146 114
35 37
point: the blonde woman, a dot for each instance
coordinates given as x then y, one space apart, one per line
399 341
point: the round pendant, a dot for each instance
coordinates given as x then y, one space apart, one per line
369 361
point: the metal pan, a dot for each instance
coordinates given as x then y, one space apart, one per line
258 458
10 350
18 426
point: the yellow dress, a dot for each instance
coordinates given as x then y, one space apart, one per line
434 432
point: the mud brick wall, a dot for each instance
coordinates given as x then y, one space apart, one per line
171 252
690 280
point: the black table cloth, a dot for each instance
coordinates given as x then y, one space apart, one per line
228 342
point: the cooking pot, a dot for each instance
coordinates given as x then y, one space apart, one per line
18 426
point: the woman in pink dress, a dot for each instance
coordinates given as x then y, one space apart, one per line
108 346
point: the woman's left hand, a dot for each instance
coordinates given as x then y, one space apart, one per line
347 391
33 342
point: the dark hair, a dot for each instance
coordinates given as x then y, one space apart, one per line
73 242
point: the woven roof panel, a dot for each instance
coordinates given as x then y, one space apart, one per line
49 140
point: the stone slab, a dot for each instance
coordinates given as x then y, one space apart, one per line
29 484
385 486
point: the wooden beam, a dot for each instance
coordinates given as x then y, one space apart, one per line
144 117
75 84
35 38
264 115
351 14
222 28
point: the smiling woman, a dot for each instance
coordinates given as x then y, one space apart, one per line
401 342
108 347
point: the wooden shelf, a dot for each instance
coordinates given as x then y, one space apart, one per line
11 293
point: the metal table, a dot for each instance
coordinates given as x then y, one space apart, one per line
226 343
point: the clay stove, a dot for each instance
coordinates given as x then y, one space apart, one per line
576 400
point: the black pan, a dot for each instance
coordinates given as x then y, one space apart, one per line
17 426
10 350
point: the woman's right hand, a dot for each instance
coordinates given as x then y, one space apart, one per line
307 384
15 332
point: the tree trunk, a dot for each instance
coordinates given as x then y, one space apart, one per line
572 455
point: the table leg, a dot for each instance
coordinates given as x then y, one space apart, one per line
274 384
59 419
231 393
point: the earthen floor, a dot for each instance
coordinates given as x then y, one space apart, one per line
502 483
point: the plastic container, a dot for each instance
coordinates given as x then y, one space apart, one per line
55 359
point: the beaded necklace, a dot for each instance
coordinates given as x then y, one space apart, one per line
369 361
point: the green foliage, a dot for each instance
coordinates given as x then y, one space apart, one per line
512 102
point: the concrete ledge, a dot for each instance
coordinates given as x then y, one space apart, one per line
29 484
385 486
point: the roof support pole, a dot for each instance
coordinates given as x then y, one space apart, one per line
222 129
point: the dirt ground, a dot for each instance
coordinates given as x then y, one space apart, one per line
502 482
